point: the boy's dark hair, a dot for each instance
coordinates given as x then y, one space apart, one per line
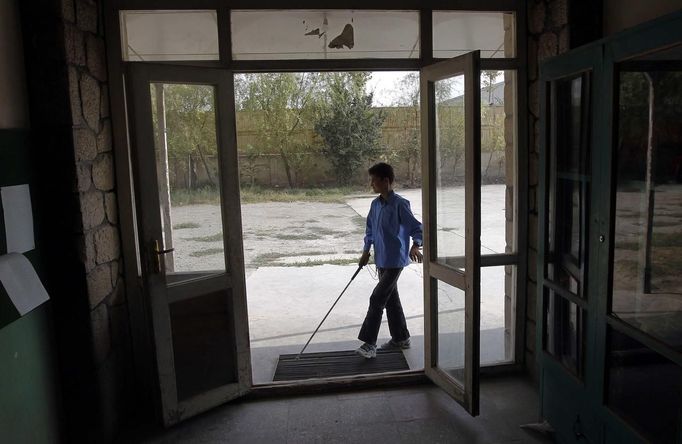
382 170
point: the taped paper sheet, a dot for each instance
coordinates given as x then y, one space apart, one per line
21 282
16 206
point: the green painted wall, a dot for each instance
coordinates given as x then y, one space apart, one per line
29 391
28 405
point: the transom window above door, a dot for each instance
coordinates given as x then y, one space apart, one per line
306 34
164 35
324 34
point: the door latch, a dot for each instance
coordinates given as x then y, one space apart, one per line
156 256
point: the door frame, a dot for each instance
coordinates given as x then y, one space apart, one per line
142 343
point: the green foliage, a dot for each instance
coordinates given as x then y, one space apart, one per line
186 225
282 104
190 122
212 238
450 124
451 129
203 195
493 140
248 167
207 252
350 127
407 148
288 114
256 194
190 118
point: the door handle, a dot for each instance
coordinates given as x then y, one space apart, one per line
158 252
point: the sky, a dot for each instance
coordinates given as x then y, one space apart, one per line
385 86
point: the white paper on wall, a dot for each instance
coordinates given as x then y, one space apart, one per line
16 206
21 282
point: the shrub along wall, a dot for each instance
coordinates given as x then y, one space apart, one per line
401 148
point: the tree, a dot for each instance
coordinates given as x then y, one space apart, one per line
408 147
350 127
190 123
282 104
451 136
450 122
249 165
492 123
488 82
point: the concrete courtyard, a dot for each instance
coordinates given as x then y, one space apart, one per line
299 256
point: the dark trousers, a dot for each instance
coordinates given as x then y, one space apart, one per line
385 295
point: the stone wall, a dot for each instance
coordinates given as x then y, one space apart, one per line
70 113
267 170
548 35
98 240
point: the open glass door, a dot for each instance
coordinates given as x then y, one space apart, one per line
451 140
197 301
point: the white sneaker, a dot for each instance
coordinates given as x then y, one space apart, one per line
396 345
367 351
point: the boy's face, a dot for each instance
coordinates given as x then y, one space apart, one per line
378 184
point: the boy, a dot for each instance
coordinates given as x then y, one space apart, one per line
390 224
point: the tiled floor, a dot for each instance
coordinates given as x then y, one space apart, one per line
417 414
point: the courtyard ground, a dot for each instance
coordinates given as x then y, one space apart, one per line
300 255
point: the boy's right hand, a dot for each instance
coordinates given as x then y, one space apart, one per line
364 259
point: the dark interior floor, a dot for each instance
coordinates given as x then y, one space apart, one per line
415 414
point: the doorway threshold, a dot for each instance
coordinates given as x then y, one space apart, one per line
292 367
339 384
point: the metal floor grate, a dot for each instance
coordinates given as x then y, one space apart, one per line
338 363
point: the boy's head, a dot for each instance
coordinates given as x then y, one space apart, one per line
381 177
382 170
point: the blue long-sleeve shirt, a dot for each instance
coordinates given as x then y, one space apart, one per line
390 224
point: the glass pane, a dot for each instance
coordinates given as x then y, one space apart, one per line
451 340
647 256
456 33
563 325
450 161
498 141
497 314
324 34
569 184
148 36
203 344
188 177
644 388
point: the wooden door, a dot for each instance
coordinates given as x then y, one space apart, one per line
451 126
184 117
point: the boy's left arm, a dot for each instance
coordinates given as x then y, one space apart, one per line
414 229
411 224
